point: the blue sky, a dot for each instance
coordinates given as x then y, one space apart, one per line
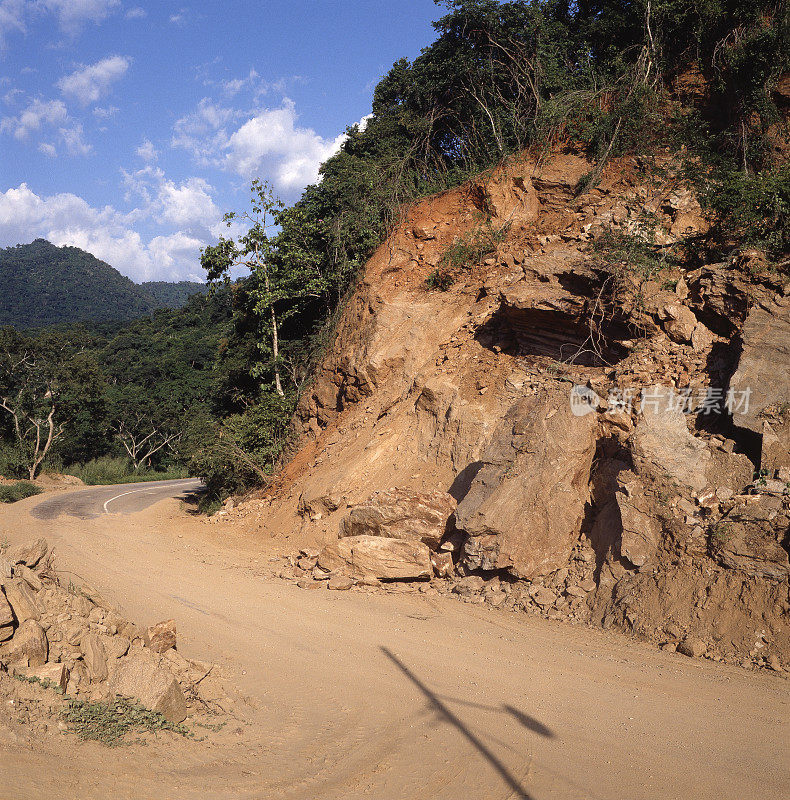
129 128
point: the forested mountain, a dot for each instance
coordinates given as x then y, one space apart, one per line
172 295
41 285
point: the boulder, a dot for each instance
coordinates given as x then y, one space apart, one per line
340 583
94 656
28 647
749 540
162 636
378 556
401 514
524 507
54 674
641 532
22 600
679 322
662 444
29 554
763 373
139 676
6 614
29 577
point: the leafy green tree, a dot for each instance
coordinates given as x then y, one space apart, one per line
279 286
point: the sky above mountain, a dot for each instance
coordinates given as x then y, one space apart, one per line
129 128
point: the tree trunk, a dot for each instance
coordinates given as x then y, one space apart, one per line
275 339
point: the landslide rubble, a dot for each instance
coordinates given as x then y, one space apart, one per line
556 433
60 637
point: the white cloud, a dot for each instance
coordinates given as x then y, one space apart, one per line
136 13
147 151
186 205
72 137
87 84
37 114
73 14
12 17
48 149
105 113
271 143
66 219
203 133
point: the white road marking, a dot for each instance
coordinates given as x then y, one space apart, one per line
136 491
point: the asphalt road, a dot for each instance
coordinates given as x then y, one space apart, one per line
124 498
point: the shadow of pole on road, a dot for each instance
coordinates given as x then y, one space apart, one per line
446 714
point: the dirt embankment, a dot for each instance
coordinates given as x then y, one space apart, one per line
635 506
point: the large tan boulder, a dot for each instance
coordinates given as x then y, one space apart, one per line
401 514
641 532
28 647
22 600
139 676
379 557
29 554
6 614
662 444
749 540
525 506
763 371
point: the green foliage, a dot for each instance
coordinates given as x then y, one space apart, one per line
10 493
241 451
465 252
172 295
108 723
753 209
107 470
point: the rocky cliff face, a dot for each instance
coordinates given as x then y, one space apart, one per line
599 428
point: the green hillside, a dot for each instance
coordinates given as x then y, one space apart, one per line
42 285
172 295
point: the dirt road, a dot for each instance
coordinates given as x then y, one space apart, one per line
396 696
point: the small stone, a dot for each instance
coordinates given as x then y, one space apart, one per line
693 648
81 605
774 663
308 584
95 657
162 636
575 591
29 577
340 583
543 596
442 563
55 674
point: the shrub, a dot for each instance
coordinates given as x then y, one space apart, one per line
108 723
754 208
108 470
10 493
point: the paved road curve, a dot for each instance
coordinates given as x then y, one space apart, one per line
125 498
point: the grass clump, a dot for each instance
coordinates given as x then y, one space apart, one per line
109 723
12 492
109 470
465 252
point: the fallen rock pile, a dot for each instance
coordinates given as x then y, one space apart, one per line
80 644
